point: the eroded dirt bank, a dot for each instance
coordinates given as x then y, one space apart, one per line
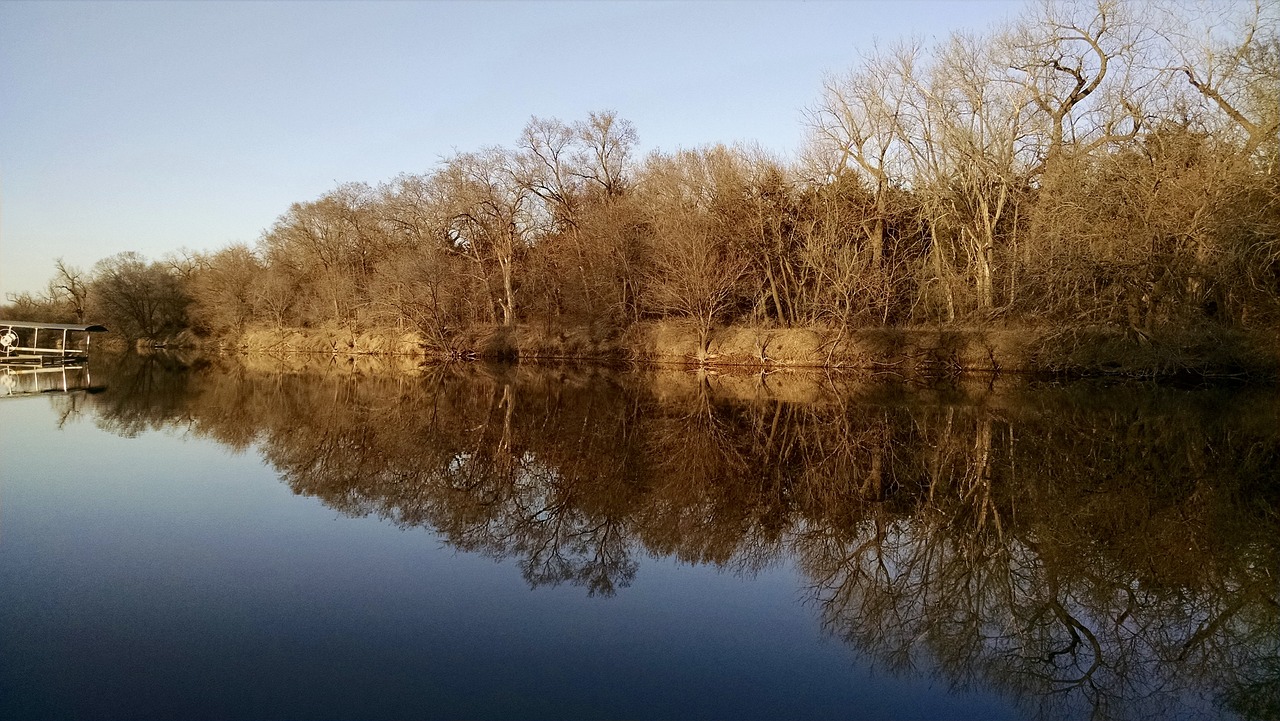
914 351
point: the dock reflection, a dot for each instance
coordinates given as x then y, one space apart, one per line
18 381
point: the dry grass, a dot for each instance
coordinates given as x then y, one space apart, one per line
909 352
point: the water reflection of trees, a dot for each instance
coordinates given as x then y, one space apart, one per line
147 392
1110 550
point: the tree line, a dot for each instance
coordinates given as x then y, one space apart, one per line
1095 164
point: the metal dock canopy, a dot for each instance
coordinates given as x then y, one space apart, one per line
20 342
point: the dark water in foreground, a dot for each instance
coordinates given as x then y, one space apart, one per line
498 543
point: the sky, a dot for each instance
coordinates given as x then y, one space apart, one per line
156 127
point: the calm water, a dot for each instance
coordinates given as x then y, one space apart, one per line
481 542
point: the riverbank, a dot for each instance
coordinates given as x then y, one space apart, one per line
1208 352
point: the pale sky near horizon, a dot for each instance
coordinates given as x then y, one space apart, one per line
154 126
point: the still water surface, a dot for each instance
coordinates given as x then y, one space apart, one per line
222 541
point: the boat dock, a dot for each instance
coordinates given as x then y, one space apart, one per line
27 344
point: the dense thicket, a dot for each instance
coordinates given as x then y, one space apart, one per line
1089 164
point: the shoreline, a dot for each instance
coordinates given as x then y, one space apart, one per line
1202 353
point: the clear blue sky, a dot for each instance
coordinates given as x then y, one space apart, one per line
154 126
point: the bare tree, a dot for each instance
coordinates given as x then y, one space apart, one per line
329 247
70 286
603 156
222 290
1229 55
857 126
490 217
1077 64
579 173
696 267
136 298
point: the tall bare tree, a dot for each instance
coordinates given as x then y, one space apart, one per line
70 286
696 267
491 217
1229 55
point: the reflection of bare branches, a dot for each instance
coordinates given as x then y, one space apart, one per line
1018 592
1109 554
147 392
68 406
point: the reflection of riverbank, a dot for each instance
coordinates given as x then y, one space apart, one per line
1084 548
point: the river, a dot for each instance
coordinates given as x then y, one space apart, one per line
235 539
